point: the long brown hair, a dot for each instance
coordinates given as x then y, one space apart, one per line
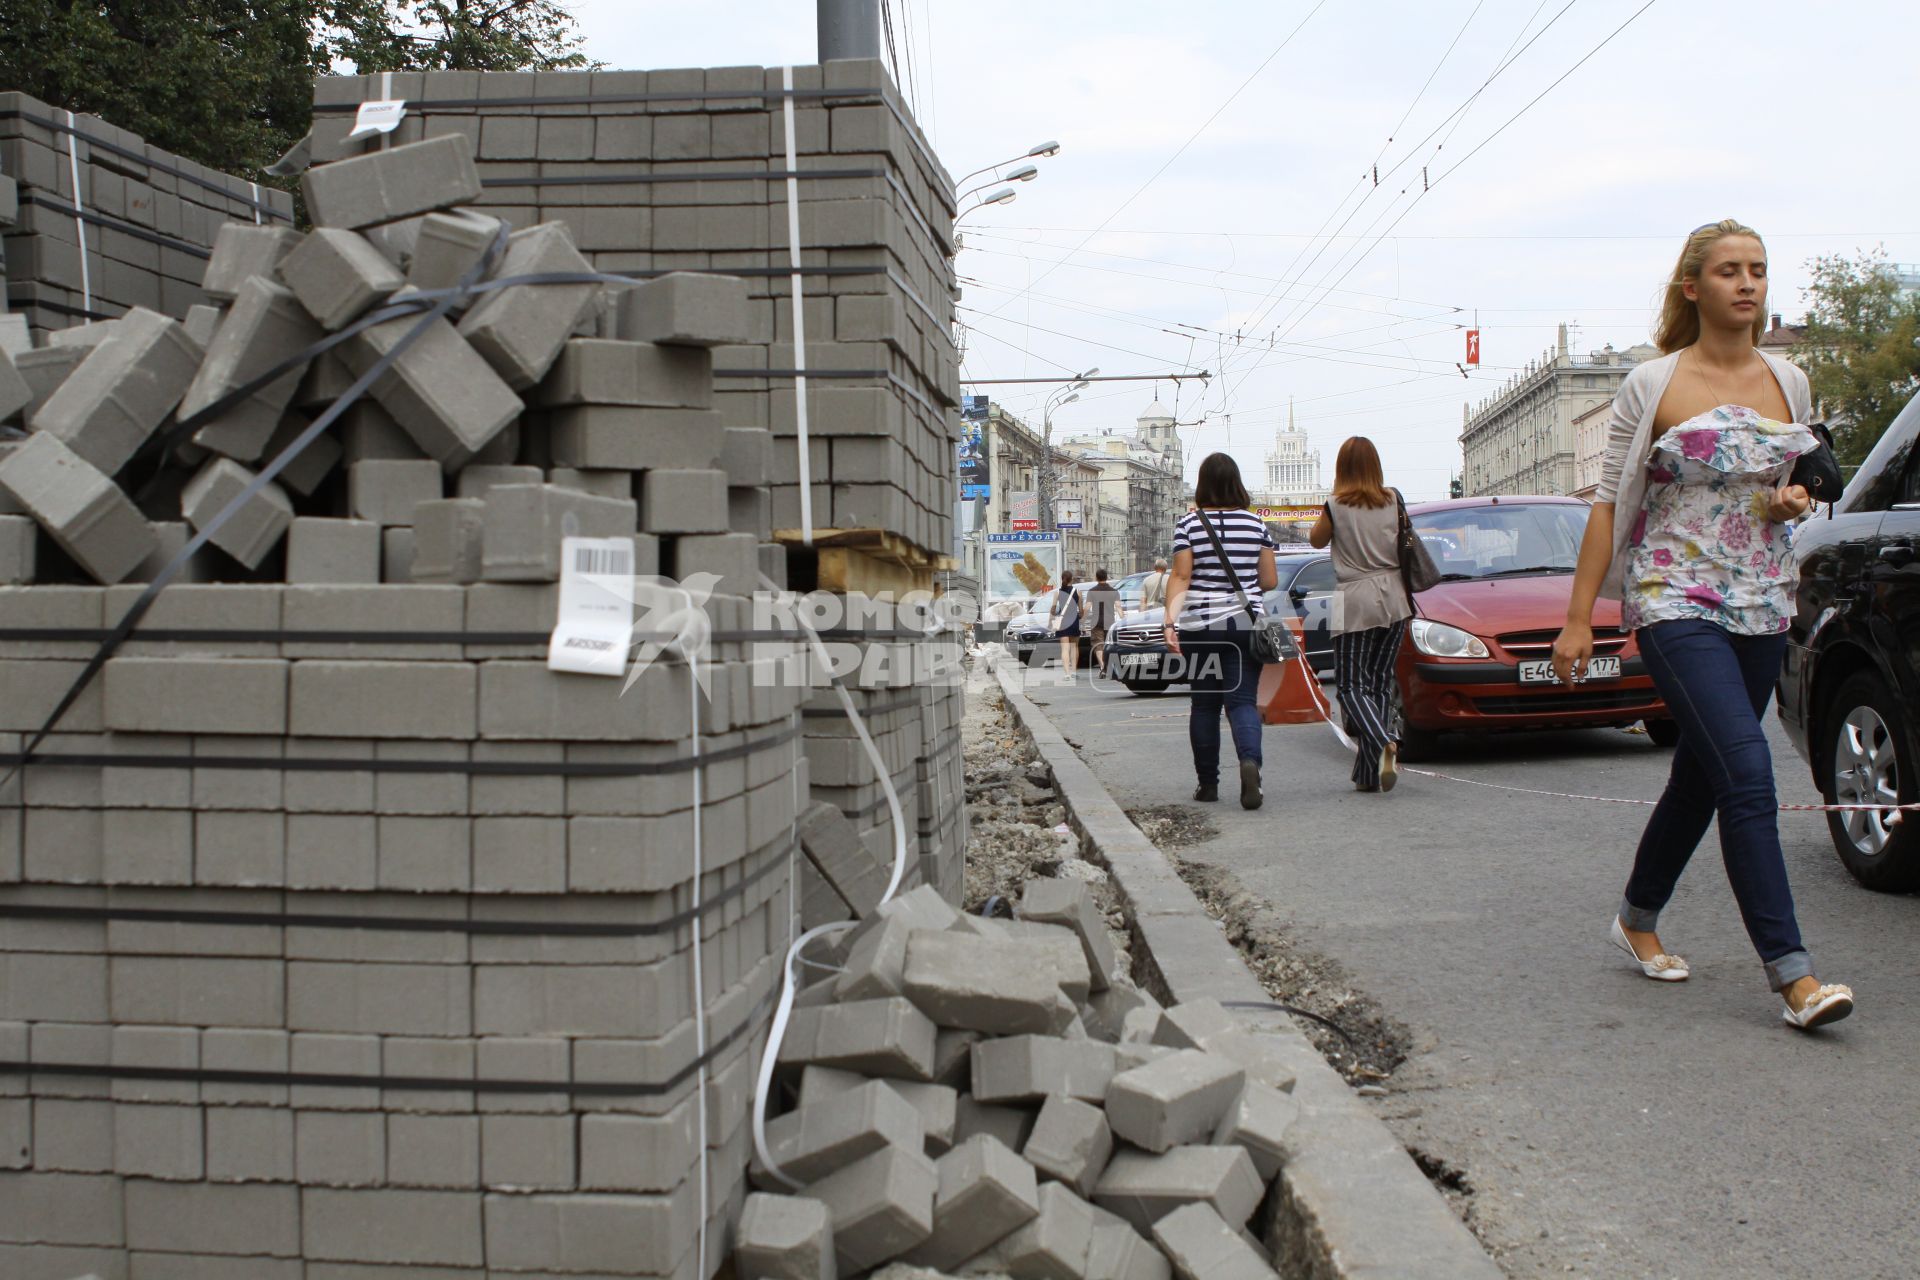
1679 324
1357 478
1219 483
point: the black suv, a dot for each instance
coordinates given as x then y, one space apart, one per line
1850 687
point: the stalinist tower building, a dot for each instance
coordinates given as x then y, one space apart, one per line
1293 469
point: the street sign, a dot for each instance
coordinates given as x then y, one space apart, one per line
1068 513
1473 347
1023 510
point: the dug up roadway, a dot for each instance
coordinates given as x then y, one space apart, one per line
1607 1125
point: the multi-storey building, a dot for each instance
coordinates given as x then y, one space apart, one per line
1143 473
1293 470
1522 441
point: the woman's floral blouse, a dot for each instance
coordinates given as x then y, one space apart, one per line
1703 547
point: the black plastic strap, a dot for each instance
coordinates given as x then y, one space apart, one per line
472 768
605 99
623 179
401 924
58 308
31 196
342 1080
222 635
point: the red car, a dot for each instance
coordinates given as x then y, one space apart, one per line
1478 655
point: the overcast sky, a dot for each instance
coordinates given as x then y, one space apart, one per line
1785 115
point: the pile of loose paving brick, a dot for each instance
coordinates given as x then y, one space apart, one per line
988 1096
148 218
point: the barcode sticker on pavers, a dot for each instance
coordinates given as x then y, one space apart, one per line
381 116
614 558
594 629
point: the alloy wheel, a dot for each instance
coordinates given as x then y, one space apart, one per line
1866 770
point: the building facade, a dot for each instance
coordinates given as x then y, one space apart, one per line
1143 473
1293 476
1523 440
1590 448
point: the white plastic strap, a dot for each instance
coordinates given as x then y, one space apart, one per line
699 983
386 95
763 1083
79 220
256 202
799 313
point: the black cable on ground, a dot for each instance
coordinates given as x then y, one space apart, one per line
1328 1023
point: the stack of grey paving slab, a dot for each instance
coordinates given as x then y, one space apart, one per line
685 171
337 932
984 1096
147 218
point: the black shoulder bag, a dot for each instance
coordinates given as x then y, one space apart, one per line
1818 470
1271 641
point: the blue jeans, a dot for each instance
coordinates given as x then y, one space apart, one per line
1717 685
1224 676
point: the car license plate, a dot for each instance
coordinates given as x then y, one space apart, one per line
1133 662
1541 672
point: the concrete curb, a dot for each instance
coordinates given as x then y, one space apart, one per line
1352 1203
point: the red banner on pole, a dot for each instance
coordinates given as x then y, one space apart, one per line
1473 347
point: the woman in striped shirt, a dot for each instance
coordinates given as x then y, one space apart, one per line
1210 630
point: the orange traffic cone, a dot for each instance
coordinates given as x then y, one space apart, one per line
1289 691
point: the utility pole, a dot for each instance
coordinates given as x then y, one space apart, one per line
848 28
1064 396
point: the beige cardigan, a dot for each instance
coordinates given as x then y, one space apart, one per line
1623 476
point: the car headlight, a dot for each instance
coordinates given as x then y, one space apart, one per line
1438 640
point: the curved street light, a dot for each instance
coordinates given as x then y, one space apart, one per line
1061 396
1006 195
1039 151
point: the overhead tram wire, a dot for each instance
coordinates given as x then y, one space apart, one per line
1514 52
1584 59
1507 60
1191 139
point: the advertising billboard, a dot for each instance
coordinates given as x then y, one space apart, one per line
972 447
1022 566
1023 511
1289 524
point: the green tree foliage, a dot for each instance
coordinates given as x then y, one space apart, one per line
1859 351
457 35
226 82
230 82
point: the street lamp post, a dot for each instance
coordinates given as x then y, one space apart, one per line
1064 396
1005 195
1039 151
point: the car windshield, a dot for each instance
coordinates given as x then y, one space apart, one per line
1503 541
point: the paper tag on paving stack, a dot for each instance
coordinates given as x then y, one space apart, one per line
595 626
383 116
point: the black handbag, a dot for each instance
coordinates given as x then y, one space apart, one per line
1818 470
1271 640
1417 568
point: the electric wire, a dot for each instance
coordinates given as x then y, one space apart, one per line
1589 55
1191 139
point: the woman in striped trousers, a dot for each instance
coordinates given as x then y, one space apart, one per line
1370 608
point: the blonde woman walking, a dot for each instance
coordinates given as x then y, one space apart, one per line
1370 607
1688 532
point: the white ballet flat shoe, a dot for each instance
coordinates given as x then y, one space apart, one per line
1830 1003
1662 968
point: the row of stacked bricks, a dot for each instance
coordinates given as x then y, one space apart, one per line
327 953
147 219
687 171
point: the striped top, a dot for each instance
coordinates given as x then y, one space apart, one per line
1210 596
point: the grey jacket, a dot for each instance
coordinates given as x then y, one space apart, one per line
1630 440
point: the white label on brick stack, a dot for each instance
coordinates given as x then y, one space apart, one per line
381 116
595 623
